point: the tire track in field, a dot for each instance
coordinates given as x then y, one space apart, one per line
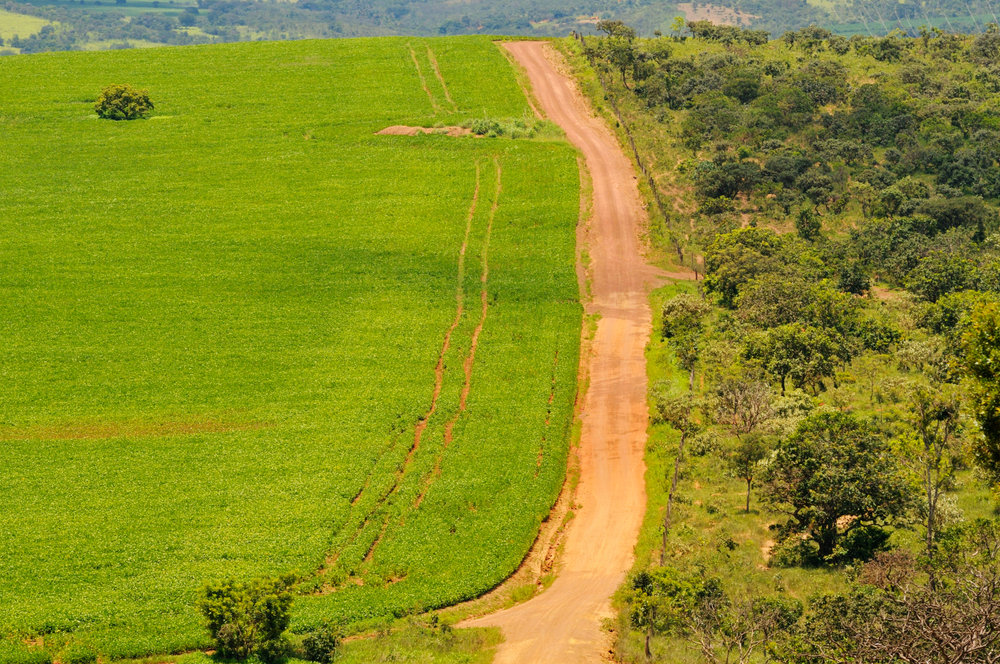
333 554
440 78
548 413
471 357
423 81
421 424
440 368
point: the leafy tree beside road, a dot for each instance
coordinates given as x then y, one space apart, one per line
833 476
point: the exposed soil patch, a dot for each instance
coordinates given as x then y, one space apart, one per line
403 130
133 429
715 14
681 276
885 294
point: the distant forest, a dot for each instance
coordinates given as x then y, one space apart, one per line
124 23
83 23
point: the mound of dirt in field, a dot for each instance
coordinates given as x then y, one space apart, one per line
133 429
403 130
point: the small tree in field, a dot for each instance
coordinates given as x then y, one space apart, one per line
122 102
933 450
249 618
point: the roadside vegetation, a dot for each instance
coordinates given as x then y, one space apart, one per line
245 337
823 448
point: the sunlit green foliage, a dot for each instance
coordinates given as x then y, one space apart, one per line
221 328
833 363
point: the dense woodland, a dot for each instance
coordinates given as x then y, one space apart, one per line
826 398
184 22
119 23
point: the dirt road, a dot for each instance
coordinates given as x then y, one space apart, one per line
562 625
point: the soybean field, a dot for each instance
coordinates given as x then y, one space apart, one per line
247 335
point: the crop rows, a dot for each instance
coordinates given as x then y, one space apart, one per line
224 325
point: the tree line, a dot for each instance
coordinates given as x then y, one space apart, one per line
840 356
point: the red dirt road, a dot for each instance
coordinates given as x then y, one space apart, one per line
562 625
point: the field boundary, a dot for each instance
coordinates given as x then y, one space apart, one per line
522 80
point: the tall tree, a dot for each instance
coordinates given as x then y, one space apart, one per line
981 343
618 47
804 353
833 475
677 410
745 404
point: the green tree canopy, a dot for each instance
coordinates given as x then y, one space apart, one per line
735 258
122 102
804 353
833 475
981 343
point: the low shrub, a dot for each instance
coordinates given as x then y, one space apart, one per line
79 654
321 645
15 653
795 552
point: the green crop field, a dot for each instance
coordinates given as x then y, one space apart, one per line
223 332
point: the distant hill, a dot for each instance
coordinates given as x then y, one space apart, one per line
102 24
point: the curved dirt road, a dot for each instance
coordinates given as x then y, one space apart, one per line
562 625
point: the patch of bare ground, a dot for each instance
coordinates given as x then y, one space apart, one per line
127 429
680 275
403 130
715 13
885 294
765 549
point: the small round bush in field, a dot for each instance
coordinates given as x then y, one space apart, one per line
321 645
123 102
79 654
